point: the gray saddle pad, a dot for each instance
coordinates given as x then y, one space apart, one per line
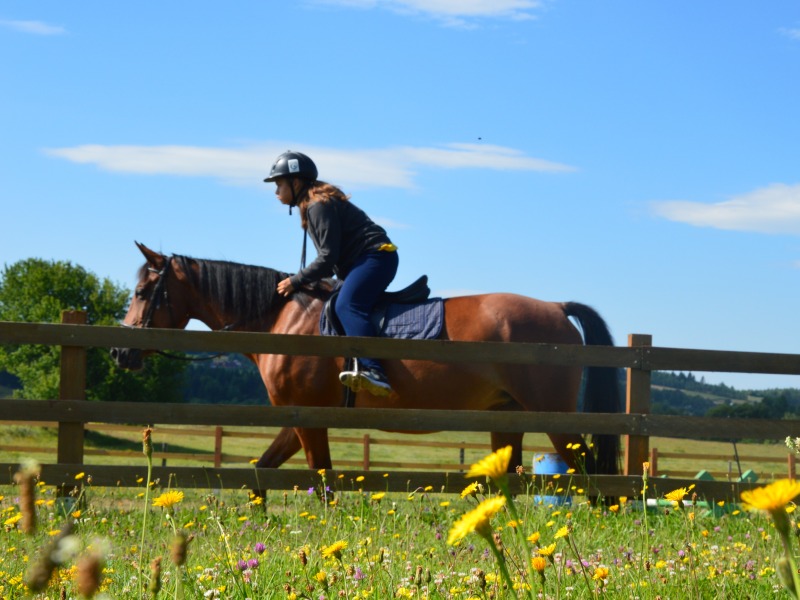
418 321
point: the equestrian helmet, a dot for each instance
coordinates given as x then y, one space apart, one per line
293 164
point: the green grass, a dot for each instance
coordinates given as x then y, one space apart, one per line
392 545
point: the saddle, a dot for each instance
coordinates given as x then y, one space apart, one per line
411 296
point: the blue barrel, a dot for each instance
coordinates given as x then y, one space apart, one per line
550 464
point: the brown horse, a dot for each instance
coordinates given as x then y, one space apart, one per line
235 297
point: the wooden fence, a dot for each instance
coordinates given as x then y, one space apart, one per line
727 466
636 426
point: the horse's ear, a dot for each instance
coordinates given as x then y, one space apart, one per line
152 257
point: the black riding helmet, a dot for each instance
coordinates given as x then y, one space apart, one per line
293 165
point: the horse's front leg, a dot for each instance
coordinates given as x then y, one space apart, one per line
315 444
285 445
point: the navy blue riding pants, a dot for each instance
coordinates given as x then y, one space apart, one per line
360 291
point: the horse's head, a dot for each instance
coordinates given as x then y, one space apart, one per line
156 303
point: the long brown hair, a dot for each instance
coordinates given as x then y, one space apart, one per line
318 191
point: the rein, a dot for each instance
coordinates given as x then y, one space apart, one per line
158 294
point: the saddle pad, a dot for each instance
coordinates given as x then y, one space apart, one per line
419 321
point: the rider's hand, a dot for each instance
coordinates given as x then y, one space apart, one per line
285 287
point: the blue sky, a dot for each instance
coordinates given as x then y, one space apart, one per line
639 157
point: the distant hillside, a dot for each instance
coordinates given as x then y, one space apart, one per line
684 394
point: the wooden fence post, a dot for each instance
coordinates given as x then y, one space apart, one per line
654 462
792 465
72 386
218 447
637 402
366 452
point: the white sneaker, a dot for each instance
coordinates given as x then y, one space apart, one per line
370 380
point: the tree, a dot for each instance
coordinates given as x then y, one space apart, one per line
36 290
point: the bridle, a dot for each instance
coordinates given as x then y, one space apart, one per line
158 295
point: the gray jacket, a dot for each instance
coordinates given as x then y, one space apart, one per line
341 233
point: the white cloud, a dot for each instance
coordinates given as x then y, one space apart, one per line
389 167
773 209
35 27
450 12
789 32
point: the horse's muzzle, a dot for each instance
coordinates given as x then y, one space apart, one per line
127 358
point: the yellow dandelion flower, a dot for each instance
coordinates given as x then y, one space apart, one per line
444 504
495 465
677 495
80 475
168 499
563 532
772 498
539 563
614 508
377 497
335 549
600 574
471 490
476 520
547 550
360 478
534 537
12 520
321 577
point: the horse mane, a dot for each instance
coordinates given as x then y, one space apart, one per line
247 291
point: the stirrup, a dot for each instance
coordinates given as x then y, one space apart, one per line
368 381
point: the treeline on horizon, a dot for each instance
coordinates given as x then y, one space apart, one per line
232 379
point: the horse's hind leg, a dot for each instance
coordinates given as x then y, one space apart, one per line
513 439
574 451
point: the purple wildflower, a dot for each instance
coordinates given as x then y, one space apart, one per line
259 548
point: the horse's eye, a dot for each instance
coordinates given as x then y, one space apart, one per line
139 293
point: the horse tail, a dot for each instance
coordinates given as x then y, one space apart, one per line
601 392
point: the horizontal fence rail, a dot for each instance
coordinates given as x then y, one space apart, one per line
644 358
64 476
72 413
80 411
214 435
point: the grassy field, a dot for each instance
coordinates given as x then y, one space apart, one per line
337 541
